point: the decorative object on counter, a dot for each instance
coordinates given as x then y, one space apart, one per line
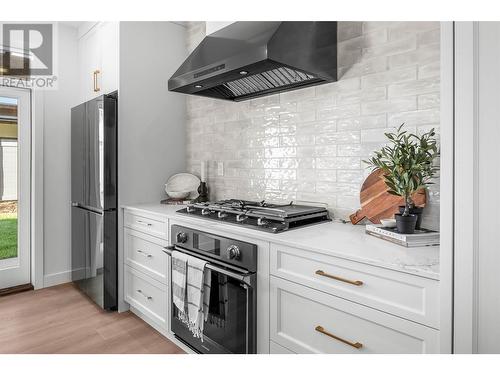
415 210
407 164
422 237
182 186
376 201
388 223
203 192
203 188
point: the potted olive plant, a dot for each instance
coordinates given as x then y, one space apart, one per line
408 165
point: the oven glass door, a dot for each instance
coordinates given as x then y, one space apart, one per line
229 327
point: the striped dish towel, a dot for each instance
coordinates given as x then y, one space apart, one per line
179 271
198 295
191 291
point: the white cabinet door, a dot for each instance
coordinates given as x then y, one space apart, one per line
98 59
90 63
304 320
145 253
408 296
146 295
110 58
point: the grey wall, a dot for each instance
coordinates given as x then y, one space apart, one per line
309 144
56 109
151 120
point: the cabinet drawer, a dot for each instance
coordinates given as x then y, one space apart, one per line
299 314
408 296
154 225
145 253
146 295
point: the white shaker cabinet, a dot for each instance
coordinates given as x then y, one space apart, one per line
98 60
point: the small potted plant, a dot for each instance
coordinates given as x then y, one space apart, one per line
408 165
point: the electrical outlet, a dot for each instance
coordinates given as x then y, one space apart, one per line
220 168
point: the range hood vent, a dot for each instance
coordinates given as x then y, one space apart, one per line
251 59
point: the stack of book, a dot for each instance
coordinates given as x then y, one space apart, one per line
422 237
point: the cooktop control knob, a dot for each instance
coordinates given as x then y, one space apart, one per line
181 237
233 252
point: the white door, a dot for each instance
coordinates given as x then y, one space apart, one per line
15 177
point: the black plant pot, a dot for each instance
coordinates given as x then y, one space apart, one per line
406 224
415 211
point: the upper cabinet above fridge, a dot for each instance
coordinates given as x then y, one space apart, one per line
98 59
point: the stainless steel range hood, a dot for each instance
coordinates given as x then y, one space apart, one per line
250 59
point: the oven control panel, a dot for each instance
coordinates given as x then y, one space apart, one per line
228 250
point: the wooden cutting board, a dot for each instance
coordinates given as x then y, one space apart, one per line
377 203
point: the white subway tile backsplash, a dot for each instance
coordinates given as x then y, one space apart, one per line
429 37
309 144
422 86
400 30
413 118
427 101
422 55
347 110
429 70
390 76
392 104
391 48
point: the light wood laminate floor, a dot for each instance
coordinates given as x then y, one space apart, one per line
61 319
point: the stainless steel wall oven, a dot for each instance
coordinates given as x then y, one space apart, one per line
231 324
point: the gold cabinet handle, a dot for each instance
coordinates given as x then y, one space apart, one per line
353 282
96 87
356 345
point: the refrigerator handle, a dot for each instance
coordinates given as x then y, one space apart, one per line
88 208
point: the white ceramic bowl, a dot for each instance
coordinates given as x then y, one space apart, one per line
178 194
181 183
388 223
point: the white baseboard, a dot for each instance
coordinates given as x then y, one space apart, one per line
57 278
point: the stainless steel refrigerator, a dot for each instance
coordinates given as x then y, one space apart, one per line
94 199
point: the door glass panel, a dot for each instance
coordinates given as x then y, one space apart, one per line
8 177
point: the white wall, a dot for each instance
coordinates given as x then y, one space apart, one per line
151 120
57 105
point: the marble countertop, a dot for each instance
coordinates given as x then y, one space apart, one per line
346 241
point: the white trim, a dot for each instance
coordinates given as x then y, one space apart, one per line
57 278
446 186
21 273
37 250
465 315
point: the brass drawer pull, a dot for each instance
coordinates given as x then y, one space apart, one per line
356 345
353 282
96 86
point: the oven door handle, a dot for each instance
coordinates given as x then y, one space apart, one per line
243 277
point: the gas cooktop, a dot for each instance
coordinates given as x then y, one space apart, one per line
263 216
